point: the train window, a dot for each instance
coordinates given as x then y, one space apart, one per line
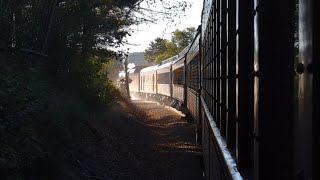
192 76
178 76
164 78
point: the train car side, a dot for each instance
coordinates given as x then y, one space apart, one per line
164 78
134 76
178 78
148 78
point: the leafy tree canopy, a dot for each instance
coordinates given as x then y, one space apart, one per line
156 47
161 49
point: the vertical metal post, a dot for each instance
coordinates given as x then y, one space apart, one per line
171 81
244 86
303 94
275 72
185 81
199 92
223 67
231 77
218 63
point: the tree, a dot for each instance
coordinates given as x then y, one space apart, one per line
73 39
183 38
156 47
161 49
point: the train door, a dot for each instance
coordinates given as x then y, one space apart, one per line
153 83
144 82
141 83
156 79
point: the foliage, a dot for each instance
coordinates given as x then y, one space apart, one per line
45 98
37 118
156 47
97 82
183 38
161 49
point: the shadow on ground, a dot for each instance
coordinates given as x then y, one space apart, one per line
138 140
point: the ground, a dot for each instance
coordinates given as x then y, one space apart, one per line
136 140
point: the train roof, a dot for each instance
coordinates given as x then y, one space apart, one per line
164 65
150 68
184 51
136 69
178 63
169 59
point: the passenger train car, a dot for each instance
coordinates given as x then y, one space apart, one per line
250 91
178 78
148 83
164 77
134 75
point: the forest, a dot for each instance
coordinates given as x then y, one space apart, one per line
55 62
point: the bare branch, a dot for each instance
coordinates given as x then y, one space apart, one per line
23 51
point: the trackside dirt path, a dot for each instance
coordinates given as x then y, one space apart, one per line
140 140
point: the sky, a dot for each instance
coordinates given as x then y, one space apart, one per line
143 34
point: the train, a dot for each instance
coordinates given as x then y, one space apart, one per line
248 87
173 82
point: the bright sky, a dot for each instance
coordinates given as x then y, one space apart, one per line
145 33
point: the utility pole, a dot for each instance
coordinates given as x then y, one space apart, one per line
126 76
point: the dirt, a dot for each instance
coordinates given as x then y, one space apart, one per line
136 140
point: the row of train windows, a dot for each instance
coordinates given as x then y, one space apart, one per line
163 78
178 77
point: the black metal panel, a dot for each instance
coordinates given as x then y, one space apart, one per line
316 90
206 66
193 79
244 85
217 60
276 52
231 75
218 69
192 65
223 68
247 71
213 52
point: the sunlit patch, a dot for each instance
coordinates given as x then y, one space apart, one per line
133 97
170 124
179 147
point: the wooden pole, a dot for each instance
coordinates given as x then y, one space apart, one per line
126 76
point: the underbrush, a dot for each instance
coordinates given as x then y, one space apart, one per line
41 115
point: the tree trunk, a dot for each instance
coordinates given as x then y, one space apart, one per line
45 41
127 78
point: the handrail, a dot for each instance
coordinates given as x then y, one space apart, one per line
230 162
